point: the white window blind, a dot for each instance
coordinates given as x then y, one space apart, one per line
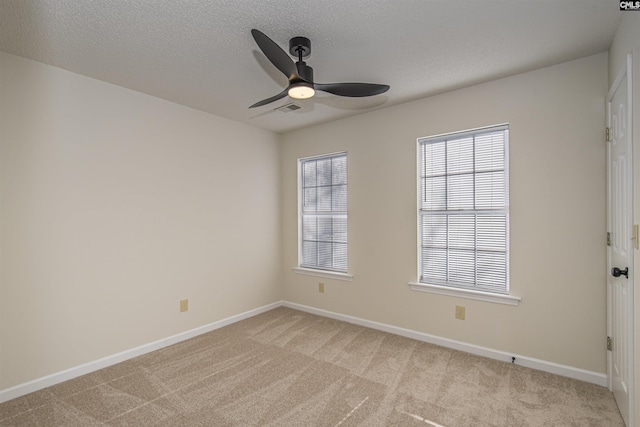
464 210
323 212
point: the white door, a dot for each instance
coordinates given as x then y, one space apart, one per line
620 251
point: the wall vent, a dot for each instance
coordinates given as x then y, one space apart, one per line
289 107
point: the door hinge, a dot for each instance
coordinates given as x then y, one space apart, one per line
609 134
609 344
608 238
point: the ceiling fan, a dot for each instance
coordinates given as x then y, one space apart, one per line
300 75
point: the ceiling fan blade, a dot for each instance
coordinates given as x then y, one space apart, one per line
275 54
269 100
355 90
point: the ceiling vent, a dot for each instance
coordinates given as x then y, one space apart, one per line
289 107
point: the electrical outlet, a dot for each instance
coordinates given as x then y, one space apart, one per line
321 287
184 305
460 312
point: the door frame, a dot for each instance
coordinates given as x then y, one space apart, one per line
624 72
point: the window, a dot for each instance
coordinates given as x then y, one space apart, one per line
323 213
464 210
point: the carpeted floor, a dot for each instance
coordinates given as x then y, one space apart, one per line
289 368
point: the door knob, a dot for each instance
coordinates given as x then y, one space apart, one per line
616 272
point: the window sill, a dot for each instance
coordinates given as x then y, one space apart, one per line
323 273
466 293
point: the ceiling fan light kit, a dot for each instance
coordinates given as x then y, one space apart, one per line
300 75
302 90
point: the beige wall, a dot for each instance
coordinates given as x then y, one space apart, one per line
114 206
558 257
627 40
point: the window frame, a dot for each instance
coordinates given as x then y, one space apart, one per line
448 288
301 268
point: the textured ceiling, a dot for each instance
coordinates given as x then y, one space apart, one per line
200 53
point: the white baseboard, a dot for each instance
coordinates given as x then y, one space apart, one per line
541 365
58 377
529 362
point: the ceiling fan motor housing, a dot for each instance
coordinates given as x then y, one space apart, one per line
304 71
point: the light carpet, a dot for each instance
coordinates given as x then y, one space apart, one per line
290 368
